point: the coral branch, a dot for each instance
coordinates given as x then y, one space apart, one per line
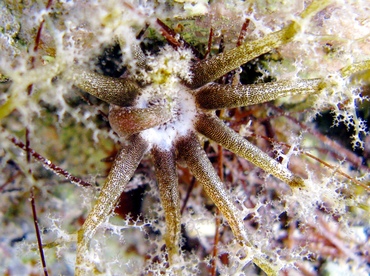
37 230
49 165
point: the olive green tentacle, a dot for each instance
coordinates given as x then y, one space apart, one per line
165 170
355 68
121 92
211 69
122 170
218 96
213 128
139 58
190 150
197 161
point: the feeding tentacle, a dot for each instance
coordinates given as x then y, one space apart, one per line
165 170
122 170
139 56
219 96
213 128
129 120
117 91
211 69
197 161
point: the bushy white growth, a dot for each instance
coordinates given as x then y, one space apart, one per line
168 69
281 223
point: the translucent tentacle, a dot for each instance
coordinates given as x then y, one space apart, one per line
355 68
218 96
122 170
139 57
129 120
211 69
197 161
121 92
165 169
200 166
213 128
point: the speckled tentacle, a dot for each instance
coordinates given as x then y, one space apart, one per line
129 120
122 170
133 47
139 56
218 96
121 92
213 128
165 170
197 161
355 68
211 69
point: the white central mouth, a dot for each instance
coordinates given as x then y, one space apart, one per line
183 110
171 67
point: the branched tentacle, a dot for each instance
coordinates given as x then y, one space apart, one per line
122 170
129 120
165 169
121 92
211 69
219 96
197 161
213 128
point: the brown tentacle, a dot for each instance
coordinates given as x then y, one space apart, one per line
219 96
197 161
165 169
129 120
122 170
213 128
121 92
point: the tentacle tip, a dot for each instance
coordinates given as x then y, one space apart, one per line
297 182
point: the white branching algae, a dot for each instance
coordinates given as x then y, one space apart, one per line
164 106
